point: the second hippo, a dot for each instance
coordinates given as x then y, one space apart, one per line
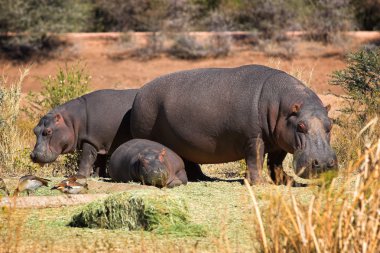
147 162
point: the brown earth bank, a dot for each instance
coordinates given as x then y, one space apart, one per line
106 58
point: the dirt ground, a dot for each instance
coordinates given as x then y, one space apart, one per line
104 57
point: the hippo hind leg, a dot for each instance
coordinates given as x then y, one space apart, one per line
100 166
194 172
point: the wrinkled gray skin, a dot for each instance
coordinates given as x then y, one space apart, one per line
147 162
218 115
96 123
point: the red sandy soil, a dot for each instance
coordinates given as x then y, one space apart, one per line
104 56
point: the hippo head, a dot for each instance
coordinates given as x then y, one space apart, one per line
307 136
152 167
54 137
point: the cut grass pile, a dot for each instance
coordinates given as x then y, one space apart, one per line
149 210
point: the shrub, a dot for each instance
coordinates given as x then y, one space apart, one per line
26 25
152 49
137 15
361 82
270 18
219 45
68 83
186 47
327 19
367 13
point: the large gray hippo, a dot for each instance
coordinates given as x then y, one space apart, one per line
217 115
147 162
96 123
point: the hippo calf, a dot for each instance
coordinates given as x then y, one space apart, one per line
96 123
147 162
217 115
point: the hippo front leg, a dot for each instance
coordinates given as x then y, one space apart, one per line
87 159
254 158
180 178
275 160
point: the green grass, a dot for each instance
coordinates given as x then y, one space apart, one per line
222 208
150 210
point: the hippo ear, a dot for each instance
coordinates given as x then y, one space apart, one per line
328 107
296 108
58 118
162 154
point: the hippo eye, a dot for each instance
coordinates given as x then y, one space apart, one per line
47 132
301 127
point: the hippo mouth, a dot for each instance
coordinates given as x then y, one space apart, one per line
43 158
309 167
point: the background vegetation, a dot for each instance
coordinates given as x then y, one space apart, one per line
29 28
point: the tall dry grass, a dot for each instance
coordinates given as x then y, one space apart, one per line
12 139
344 217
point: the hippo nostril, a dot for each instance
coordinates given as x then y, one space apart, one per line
315 164
32 156
331 164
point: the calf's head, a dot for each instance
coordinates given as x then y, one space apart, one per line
306 134
53 137
152 167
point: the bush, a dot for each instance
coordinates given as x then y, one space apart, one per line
153 48
327 19
367 13
361 82
68 83
186 47
270 18
220 45
26 25
126 15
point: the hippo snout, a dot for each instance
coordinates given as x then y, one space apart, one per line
38 156
309 164
321 166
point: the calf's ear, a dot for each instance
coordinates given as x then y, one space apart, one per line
162 154
296 108
58 118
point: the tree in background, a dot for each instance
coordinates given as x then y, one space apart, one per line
367 13
26 26
328 18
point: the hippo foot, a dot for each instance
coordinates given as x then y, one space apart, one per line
175 182
194 172
257 180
